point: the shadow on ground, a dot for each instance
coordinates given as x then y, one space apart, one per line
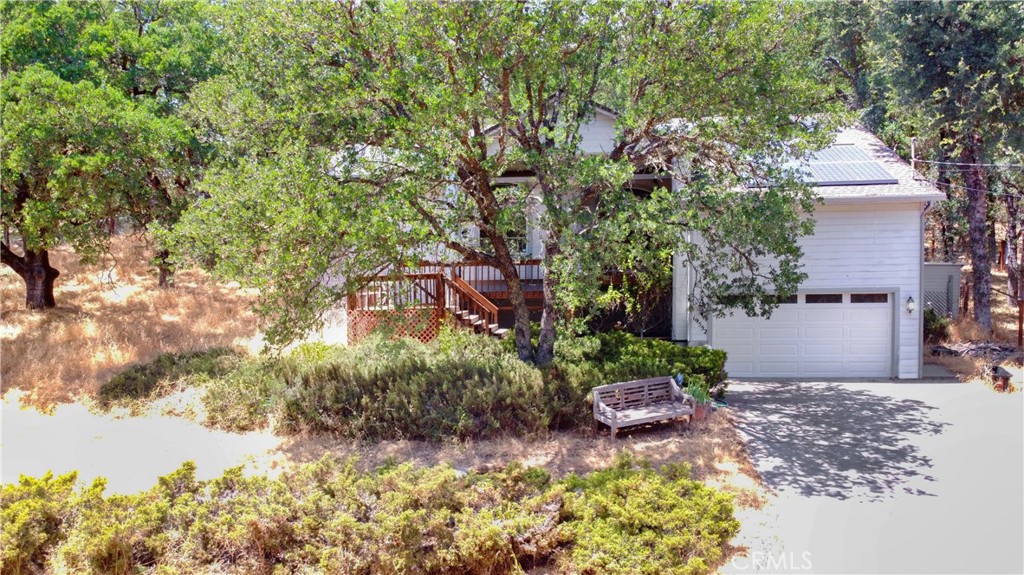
833 441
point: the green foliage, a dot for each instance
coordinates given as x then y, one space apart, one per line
32 518
327 517
698 393
396 390
936 326
247 396
91 99
166 372
461 385
629 520
391 121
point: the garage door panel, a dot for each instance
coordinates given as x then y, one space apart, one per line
872 349
776 368
870 333
775 333
741 368
819 314
809 340
866 369
787 313
834 332
862 313
823 348
822 368
743 352
788 349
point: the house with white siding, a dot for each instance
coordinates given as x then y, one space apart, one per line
859 312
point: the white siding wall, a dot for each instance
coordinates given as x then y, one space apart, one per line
598 135
866 247
860 247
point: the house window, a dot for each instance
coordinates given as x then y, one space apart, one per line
869 298
824 298
517 240
782 300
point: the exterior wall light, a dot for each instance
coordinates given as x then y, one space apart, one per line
911 305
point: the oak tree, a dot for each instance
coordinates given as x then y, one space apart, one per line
354 134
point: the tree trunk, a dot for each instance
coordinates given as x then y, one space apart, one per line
35 270
506 264
546 341
1013 250
977 217
165 269
520 312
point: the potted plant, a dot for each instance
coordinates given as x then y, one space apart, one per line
701 400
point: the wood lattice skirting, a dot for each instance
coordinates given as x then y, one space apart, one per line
420 323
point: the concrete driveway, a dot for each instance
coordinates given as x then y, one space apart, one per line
883 477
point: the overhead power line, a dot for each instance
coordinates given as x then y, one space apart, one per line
968 164
989 192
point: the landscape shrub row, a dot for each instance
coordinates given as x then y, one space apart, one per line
328 518
459 386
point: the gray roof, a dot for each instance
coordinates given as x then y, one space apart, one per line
909 186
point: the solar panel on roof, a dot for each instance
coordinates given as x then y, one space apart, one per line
846 165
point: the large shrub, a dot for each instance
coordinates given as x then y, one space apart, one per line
583 363
328 518
459 386
936 326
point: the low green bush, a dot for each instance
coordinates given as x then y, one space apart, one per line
936 326
630 520
144 381
33 513
583 363
387 390
326 517
460 386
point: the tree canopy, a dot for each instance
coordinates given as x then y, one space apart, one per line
354 134
91 95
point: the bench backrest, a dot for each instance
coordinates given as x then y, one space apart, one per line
638 393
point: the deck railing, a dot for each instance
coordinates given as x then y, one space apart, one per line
490 281
416 303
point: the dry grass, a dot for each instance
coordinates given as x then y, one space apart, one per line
1004 318
965 329
713 448
109 316
967 368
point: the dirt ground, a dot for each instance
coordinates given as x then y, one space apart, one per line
964 329
132 451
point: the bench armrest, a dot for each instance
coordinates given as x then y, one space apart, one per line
601 409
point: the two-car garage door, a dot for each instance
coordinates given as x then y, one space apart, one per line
812 335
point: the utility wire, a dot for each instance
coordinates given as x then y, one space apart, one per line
967 164
989 192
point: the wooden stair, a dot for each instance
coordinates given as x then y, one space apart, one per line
477 323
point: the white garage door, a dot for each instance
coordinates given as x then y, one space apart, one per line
819 335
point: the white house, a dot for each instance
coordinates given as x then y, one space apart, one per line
852 316
859 312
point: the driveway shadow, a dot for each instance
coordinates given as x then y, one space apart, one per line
833 441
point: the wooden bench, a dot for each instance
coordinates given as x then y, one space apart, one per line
642 401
